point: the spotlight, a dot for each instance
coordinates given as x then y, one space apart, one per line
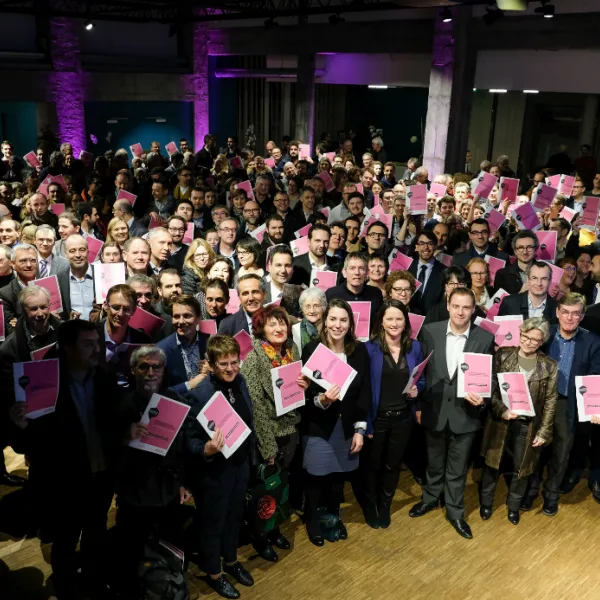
335 19
446 15
546 9
493 14
270 23
89 25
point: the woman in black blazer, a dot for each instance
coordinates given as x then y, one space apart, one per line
333 430
480 282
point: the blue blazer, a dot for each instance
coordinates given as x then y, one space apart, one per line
413 358
234 324
176 374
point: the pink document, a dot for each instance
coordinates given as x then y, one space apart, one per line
553 181
366 224
286 391
557 274
163 417
360 189
94 248
381 215
218 413
568 213
105 276
58 208
416 199
188 236
526 217
485 184
50 283
37 384
61 181
299 246
171 148
509 188
399 261
542 196
487 325
495 219
509 332
245 342
234 302
445 259
247 187
142 320
125 195
364 324
416 374
330 156
494 265
327 369
259 233
303 231
304 151
323 279
589 217
270 162
31 158
41 352
475 375
438 190
566 184
587 389
496 298
136 150
236 163
416 322
494 310
515 393
326 177
547 248
208 327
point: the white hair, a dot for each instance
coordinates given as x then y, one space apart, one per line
377 140
22 248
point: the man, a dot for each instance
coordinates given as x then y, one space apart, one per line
176 227
281 202
316 258
479 245
261 194
441 232
378 152
591 321
304 209
535 302
185 209
560 162
161 208
389 175
367 160
422 176
24 263
161 242
48 264
565 246
251 215
169 288
77 284
293 153
353 231
274 231
56 194
376 238
40 214
252 298
577 196
227 230
577 352
186 347
596 186
513 277
145 290
124 210
387 201
87 214
356 206
10 232
450 422
411 167
136 254
341 211
468 162
232 147
204 158
68 224
337 242
6 270
445 209
503 163
277 156
280 270
270 145
367 178
183 188
201 215
428 271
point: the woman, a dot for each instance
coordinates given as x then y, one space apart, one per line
293 190
277 436
377 189
212 237
401 286
569 266
480 275
218 484
117 231
222 268
196 265
111 253
521 438
583 283
378 168
313 305
333 430
213 298
210 198
378 270
393 356
248 252
452 278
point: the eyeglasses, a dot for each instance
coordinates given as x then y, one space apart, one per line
428 244
228 229
127 310
202 255
176 230
145 367
531 340
455 284
228 365
403 290
243 253
567 314
570 268
480 233
525 248
376 235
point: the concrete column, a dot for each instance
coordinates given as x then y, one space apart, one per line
199 85
588 122
67 82
305 100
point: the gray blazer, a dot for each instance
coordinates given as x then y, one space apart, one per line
59 264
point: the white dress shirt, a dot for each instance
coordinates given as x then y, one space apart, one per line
455 346
536 311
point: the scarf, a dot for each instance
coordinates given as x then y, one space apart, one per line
308 332
276 359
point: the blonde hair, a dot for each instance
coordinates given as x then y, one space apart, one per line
189 257
111 225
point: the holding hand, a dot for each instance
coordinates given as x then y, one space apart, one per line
413 392
17 414
538 441
474 399
216 444
357 443
137 431
508 415
331 395
595 419
184 495
303 382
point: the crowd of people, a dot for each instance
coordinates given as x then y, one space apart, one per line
235 242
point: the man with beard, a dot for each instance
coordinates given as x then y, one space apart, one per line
176 226
428 271
251 215
316 259
169 287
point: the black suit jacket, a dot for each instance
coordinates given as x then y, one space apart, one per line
434 290
176 260
9 298
290 300
509 279
518 304
461 259
302 269
591 321
234 324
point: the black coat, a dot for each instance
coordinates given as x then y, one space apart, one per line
302 269
518 304
509 279
434 290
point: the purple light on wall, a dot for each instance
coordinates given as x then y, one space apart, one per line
199 85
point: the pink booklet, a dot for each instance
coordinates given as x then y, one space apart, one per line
136 150
526 217
495 219
245 342
547 248
145 321
364 324
509 188
155 222
589 217
485 184
438 190
105 276
207 326
218 413
236 163
163 418
416 322
37 384
416 199
568 213
557 274
188 236
509 332
542 196
94 248
50 283
270 162
360 189
416 373
329 185
247 187
445 259
299 246
494 265
366 224
323 279
327 369
376 201
494 307
61 181
553 181
287 393
303 231
171 148
487 325
259 233
474 375
515 393
587 389
31 158
330 156
58 208
234 302
41 352
125 195
566 184
399 261
381 215
304 151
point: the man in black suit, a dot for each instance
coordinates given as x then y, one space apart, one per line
280 272
316 259
252 298
513 278
450 422
176 226
480 246
428 271
204 158
535 302
304 209
124 210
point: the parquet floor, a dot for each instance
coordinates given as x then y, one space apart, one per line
422 558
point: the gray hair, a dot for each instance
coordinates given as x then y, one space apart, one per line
32 290
314 294
154 233
7 250
246 277
377 140
124 205
147 350
143 280
22 248
46 229
442 178
128 243
121 152
9 218
536 323
421 171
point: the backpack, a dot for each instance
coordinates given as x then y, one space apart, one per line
161 572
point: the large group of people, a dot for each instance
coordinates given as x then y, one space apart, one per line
226 256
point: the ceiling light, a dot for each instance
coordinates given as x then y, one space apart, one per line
498 91
546 9
446 15
89 25
531 91
378 87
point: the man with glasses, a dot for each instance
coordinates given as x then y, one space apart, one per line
251 215
48 264
227 230
513 278
183 188
577 199
577 352
479 245
337 241
176 226
428 272
376 238
535 302
282 208
316 259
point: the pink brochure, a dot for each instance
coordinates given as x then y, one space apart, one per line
286 391
304 151
87 158
125 195
323 279
270 162
61 181
330 156
208 327
399 261
154 222
136 150
568 213
547 248
553 181
259 233
236 163
245 342
438 190
360 189
303 231
486 183
587 388
493 304
416 199
376 200
329 185
50 283
325 210
94 248
474 375
515 393
37 384
495 219
509 188
494 265
234 302
416 322
445 259
105 276
171 148
57 208
589 217
509 332
381 215
487 325
41 352
526 217
218 413
274 302
299 246
247 187
327 369
566 184
188 236
542 196
365 225
416 374
364 324
163 417
557 274
145 321
2 331
31 158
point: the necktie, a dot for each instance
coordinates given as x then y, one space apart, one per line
422 273
43 269
595 294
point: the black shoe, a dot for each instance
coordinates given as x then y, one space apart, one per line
342 530
316 540
371 516
420 509
280 541
462 528
485 512
12 480
527 503
595 487
237 571
385 517
222 586
568 484
266 552
514 516
550 507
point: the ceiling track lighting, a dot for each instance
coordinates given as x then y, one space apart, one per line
546 9
89 25
446 15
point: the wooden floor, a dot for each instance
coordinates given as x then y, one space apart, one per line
542 558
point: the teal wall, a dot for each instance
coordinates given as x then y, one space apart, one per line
18 125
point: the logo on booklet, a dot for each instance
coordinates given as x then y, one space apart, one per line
279 382
582 389
505 386
317 374
153 412
464 367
